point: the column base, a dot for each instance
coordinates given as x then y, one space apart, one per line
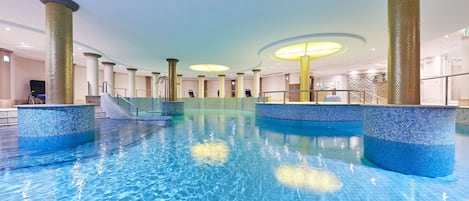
416 140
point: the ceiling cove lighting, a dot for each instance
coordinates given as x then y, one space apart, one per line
209 68
312 49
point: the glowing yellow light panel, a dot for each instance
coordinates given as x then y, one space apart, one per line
311 49
209 67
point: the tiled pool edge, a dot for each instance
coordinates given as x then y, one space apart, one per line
311 112
416 140
49 127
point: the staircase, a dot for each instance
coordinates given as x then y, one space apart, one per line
8 116
99 113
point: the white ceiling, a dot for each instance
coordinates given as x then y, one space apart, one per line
240 34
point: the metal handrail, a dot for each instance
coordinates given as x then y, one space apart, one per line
314 91
374 96
106 85
446 82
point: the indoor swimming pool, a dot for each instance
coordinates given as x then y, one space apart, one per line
218 155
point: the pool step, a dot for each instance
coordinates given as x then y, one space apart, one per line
99 113
8 116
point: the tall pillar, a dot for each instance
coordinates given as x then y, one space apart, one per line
5 73
92 73
109 77
221 91
155 79
59 51
172 79
256 82
240 86
179 86
201 86
132 82
304 78
404 52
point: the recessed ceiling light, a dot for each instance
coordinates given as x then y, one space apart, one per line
353 72
312 49
446 36
373 49
209 68
7 28
6 58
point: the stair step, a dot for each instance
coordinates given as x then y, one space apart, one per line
99 113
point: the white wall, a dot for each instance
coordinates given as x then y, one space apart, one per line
25 70
432 91
274 83
190 85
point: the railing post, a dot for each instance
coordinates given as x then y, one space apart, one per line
446 90
263 97
348 96
364 97
317 97
284 96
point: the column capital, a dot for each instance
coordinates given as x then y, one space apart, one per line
6 50
132 69
239 73
256 70
108 63
172 60
91 54
179 75
155 73
202 76
221 75
68 3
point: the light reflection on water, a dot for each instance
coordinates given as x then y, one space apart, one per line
138 161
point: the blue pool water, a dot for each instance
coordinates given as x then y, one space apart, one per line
132 160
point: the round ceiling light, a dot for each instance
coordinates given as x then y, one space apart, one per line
209 67
312 49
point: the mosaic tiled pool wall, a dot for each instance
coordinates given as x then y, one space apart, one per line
462 116
172 108
416 140
154 104
311 112
50 127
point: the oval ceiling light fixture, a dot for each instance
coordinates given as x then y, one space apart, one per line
312 49
209 67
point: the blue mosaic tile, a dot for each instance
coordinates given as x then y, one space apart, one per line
173 108
54 120
51 143
311 112
415 125
462 116
415 159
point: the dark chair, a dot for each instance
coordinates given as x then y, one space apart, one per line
38 90
247 92
191 94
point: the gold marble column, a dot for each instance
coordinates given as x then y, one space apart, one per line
172 77
180 93
59 51
221 83
240 87
404 52
304 78
201 86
